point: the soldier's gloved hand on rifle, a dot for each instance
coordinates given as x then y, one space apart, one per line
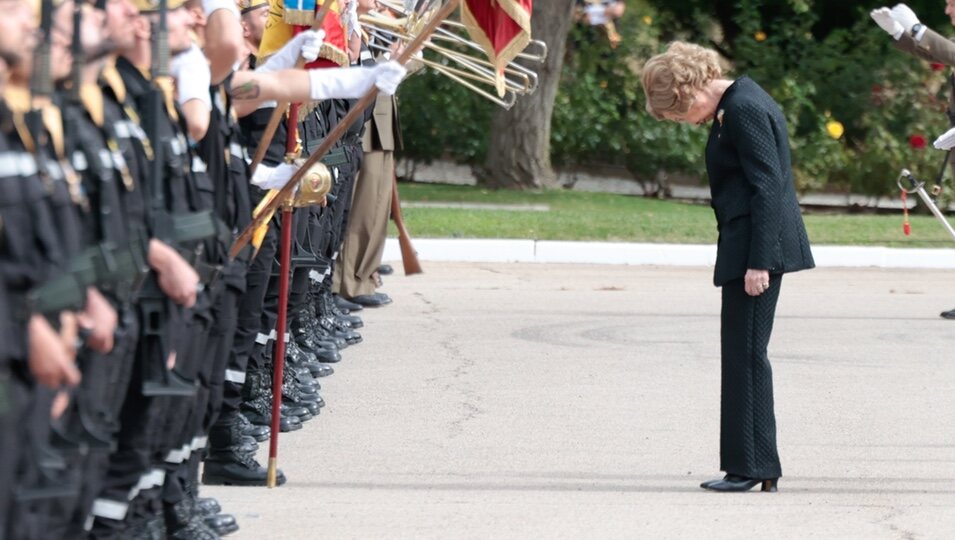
945 141
904 15
193 78
177 278
49 359
100 320
266 177
307 45
883 17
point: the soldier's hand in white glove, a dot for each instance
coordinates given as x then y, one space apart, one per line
193 78
883 17
945 141
388 76
904 15
273 177
307 45
352 83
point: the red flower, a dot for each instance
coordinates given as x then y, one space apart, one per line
917 142
937 67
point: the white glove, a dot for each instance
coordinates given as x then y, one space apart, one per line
883 17
193 78
945 141
904 15
312 45
211 6
596 14
266 177
307 44
351 83
354 27
388 76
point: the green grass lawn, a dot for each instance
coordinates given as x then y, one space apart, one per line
618 218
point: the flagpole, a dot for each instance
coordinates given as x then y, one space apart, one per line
357 110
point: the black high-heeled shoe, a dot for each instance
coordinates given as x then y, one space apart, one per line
733 483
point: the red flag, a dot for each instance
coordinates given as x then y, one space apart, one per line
288 17
501 27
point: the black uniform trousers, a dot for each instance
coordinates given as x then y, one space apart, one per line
103 389
249 320
748 422
14 399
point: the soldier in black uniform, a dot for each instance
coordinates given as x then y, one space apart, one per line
32 352
158 417
114 219
88 236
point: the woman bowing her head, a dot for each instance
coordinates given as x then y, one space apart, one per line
761 237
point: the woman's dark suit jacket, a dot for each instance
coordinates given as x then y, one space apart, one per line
751 182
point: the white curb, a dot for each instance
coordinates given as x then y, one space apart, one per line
545 251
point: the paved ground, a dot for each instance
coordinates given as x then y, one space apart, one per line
569 401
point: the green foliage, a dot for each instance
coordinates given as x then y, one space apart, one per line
575 215
600 115
441 119
827 61
824 62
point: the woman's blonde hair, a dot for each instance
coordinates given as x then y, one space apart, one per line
671 79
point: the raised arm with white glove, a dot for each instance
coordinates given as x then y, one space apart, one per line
307 45
193 78
251 88
883 17
904 15
355 82
191 71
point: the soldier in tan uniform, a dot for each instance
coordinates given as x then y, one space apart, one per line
356 276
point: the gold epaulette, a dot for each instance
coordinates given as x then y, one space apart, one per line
92 98
53 121
18 99
114 80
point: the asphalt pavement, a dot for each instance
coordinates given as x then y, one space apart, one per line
496 400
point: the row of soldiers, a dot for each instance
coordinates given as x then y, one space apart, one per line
134 348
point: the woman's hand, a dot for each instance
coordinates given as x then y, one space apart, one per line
756 282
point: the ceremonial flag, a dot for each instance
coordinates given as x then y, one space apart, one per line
288 17
501 27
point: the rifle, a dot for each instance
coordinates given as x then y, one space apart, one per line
409 257
52 474
156 308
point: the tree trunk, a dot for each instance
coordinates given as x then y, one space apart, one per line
518 154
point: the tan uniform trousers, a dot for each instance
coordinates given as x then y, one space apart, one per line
364 242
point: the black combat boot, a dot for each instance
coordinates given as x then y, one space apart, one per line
309 336
329 306
183 522
294 397
210 511
334 329
232 468
258 409
258 433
